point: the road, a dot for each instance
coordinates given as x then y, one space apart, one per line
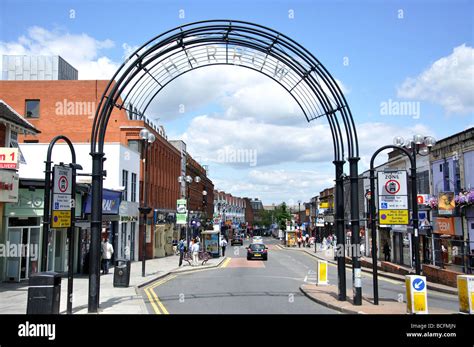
239 286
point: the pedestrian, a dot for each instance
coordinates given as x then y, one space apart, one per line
195 252
307 240
107 251
386 251
223 245
299 241
181 251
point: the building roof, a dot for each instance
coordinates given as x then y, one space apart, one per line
10 115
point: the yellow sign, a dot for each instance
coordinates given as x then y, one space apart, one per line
408 292
420 302
393 217
322 272
466 293
61 219
324 205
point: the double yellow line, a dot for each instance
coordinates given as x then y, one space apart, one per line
225 263
158 307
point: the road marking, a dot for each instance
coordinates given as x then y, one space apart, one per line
153 298
225 263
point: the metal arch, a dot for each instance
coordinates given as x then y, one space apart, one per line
312 87
225 28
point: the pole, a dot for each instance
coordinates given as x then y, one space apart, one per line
145 204
46 211
70 277
374 233
340 253
355 237
416 237
96 226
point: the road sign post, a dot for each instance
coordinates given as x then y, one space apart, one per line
417 302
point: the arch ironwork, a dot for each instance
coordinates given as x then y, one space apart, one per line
177 51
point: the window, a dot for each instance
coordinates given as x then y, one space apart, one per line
125 184
135 145
423 182
133 188
32 108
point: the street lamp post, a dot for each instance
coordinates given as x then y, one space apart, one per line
147 139
188 180
415 145
419 145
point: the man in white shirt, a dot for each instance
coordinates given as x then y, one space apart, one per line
195 250
223 245
107 251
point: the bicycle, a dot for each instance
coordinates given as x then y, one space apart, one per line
203 257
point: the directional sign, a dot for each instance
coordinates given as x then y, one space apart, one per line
418 284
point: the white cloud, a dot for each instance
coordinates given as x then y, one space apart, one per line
82 51
448 82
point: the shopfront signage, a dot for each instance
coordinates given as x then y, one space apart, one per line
444 226
446 203
111 200
8 186
393 197
8 158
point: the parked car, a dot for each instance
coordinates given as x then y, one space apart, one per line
257 251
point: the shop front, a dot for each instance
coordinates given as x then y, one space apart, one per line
401 245
165 232
449 245
111 200
23 235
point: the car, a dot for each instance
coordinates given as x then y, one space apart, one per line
257 239
237 239
257 251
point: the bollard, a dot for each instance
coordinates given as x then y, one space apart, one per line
466 293
322 272
417 302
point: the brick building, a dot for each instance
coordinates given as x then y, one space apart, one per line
201 205
67 108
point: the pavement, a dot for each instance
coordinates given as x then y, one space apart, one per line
113 300
328 255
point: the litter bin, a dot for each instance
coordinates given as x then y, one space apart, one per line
122 273
44 293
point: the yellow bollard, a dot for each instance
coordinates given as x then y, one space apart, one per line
322 272
417 302
466 293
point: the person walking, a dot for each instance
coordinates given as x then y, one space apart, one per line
195 252
181 251
107 251
223 245
386 251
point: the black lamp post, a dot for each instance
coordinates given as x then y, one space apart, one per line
148 138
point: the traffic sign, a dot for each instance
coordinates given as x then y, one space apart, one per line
418 284
61 202
62 179
416 294
61 219
393 217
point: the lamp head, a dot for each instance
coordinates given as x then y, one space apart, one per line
144 134
430 141
197 179
398 141
151 138
418 139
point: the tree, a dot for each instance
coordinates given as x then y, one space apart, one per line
282 215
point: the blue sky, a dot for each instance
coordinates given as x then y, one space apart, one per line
379 51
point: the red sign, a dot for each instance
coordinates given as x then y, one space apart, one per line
9 158
392 187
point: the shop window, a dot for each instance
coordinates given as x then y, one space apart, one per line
125 185
133 188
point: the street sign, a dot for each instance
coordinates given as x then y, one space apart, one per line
416 294
9 180
62 179
61 219
393 217
393 197
9 158
61 202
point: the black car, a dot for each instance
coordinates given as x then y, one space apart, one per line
237 239
257 251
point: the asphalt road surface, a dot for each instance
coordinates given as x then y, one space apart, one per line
240 286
